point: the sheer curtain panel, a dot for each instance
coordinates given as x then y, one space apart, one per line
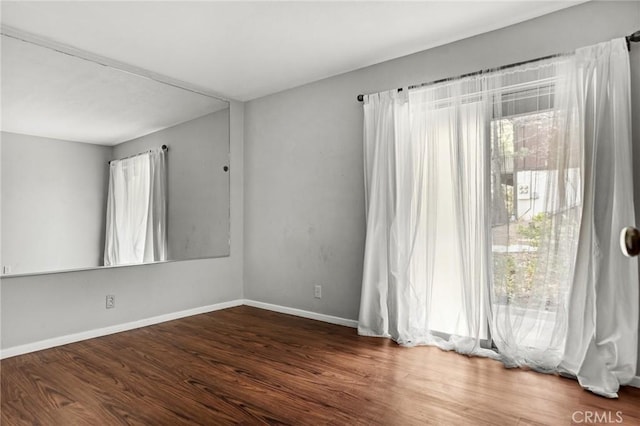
136 210
602 337
425 267
536 211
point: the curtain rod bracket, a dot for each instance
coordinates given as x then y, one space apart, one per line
633 38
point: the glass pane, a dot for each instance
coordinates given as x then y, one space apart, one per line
535 187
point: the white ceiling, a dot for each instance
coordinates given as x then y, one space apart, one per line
245 50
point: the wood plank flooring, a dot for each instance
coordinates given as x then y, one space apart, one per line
251 366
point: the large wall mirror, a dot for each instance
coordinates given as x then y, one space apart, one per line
86 182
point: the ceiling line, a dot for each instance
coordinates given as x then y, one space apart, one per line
47 43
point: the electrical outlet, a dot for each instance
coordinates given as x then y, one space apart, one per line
111 301
317 292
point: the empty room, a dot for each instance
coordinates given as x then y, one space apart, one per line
319 212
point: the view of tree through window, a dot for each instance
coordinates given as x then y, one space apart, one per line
534 189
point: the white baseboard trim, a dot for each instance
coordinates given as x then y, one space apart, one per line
90 334
302 313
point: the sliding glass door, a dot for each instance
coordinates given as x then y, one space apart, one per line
482 215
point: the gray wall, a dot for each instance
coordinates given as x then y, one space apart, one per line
35 308
54 195
197 185
304 215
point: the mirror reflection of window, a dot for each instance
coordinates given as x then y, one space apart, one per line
136 230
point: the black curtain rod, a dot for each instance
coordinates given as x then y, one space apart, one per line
163 147
633 38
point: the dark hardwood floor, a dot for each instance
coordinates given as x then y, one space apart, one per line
250 366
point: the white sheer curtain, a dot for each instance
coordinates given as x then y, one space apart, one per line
426 228
136 210
602 338
494 205
536 211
